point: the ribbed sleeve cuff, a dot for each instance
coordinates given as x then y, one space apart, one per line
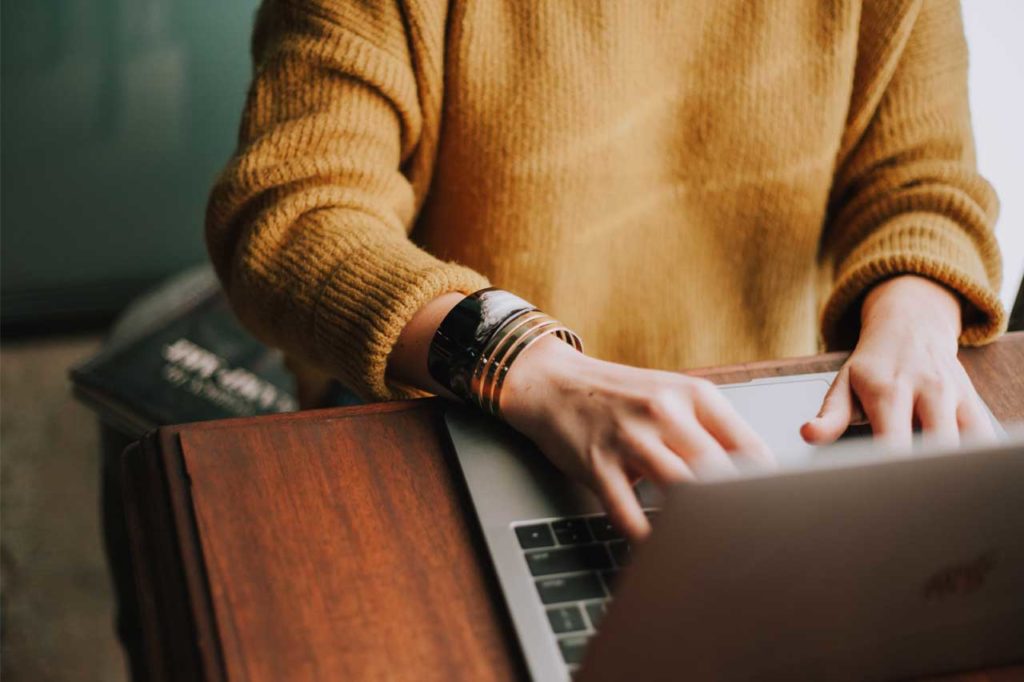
367 301
923 244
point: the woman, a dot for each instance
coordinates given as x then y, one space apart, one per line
679 183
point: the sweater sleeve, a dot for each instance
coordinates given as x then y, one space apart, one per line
907 198
308 225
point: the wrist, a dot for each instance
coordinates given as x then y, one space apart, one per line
912 301
477 343
536 374
408 360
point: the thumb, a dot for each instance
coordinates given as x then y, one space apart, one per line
836 412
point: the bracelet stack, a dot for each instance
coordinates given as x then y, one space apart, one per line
481 337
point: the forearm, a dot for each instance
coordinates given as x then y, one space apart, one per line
907 197
308 225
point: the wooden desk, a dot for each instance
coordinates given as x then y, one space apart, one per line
336 544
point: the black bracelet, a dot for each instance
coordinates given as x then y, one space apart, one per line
464 333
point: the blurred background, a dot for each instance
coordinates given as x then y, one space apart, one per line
116 115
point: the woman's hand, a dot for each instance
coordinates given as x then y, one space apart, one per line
904 371
608 425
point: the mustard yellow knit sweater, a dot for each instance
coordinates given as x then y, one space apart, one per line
682 183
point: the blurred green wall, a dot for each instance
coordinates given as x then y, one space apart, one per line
116 115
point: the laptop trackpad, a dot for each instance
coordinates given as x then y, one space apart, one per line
777 409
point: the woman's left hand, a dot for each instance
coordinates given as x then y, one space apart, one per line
904 371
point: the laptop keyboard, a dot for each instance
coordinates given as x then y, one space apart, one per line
574 563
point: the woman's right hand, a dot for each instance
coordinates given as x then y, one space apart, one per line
608 425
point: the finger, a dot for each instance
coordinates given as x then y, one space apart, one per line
724 424
616 494
937 414
973 419
662 466
835 414
701 452
891 413
645 455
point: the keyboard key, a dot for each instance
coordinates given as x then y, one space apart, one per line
531 537
573 648
571 531
595 610
610 578
620 552
569 560
603 529
566 619
570 588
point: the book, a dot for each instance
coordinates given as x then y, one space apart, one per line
180 355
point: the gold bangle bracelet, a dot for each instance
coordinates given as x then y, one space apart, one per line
504 341
490 352
504 347
496 376
561 332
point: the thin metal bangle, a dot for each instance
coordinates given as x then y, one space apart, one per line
509 350
502 344
490 353
454 348
525 342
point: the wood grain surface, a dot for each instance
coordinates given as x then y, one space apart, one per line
338 544
337 548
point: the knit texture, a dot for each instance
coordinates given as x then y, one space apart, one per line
683 184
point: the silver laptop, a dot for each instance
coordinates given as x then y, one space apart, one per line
844 564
